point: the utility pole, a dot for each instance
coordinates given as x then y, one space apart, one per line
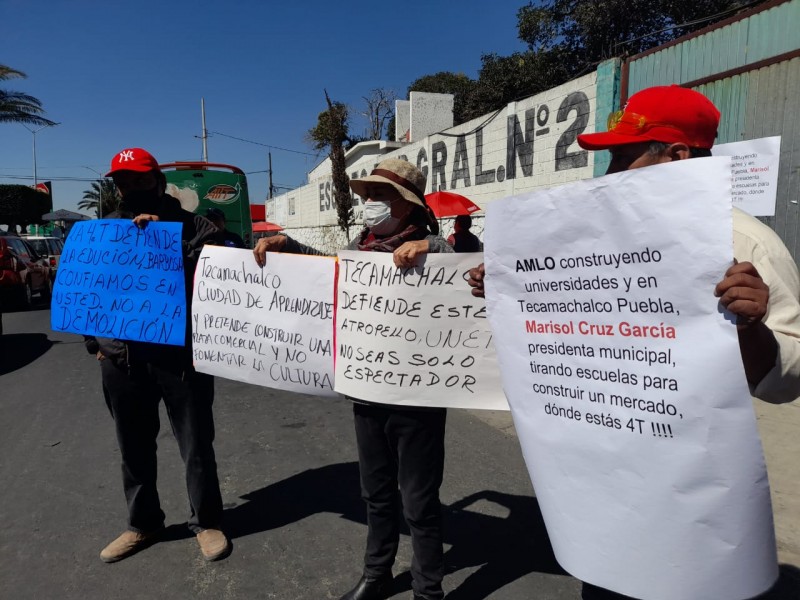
205 131
271 187
33 133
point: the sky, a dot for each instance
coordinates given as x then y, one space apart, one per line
132 74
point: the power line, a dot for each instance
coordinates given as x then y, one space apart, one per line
233 137
731 10
30 177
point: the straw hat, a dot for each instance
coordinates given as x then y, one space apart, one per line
404 177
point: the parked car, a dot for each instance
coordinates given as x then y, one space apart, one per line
47 247
23 273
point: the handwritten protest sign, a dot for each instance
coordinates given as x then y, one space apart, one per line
270 326
414 336
117 280
626 383
755 173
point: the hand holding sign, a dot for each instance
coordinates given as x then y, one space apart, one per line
413 336
744 293
271 325
117 280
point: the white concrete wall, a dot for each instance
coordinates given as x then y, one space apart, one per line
527 145
402 120
429 113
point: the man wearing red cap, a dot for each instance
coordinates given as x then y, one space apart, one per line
137 375
666 123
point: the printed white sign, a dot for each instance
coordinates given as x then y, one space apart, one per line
626 382
270 326
414 336
755 173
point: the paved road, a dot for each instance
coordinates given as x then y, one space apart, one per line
289 477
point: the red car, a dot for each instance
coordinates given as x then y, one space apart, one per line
23 273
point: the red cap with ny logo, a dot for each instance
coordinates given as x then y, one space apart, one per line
133 159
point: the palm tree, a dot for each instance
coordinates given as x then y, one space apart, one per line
104 191
17 107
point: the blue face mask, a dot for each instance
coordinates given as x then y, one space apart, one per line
378 217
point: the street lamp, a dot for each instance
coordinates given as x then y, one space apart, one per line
99 191
33 133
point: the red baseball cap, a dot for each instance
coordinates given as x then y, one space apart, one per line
667 114
133 159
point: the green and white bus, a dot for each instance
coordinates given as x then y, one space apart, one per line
201 185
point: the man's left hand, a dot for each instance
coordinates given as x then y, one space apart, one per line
143 219
406 255
744 293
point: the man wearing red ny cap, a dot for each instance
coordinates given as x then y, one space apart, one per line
666 123
137 375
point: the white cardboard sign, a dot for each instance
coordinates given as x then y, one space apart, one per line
414 336
270 326
754 165
626 382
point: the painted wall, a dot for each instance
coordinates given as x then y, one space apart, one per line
524 146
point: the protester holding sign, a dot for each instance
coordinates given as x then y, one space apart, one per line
667 123
762 289
396 445
137 375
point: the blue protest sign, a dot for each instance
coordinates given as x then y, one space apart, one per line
117 280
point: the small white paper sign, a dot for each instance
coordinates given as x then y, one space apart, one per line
270 326
754 167
626 383
415 336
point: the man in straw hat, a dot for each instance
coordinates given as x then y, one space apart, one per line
398 446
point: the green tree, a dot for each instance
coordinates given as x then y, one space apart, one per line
104 192
585 32
503 79
332 132
18 107
332 124
567 38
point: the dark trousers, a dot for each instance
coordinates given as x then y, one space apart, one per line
133 397
405 448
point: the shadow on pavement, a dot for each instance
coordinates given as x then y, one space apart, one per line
21 349
787 587
296 498
507 548
504 548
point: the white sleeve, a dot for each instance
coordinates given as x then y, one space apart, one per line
755 242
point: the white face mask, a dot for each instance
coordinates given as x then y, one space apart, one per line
378 217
